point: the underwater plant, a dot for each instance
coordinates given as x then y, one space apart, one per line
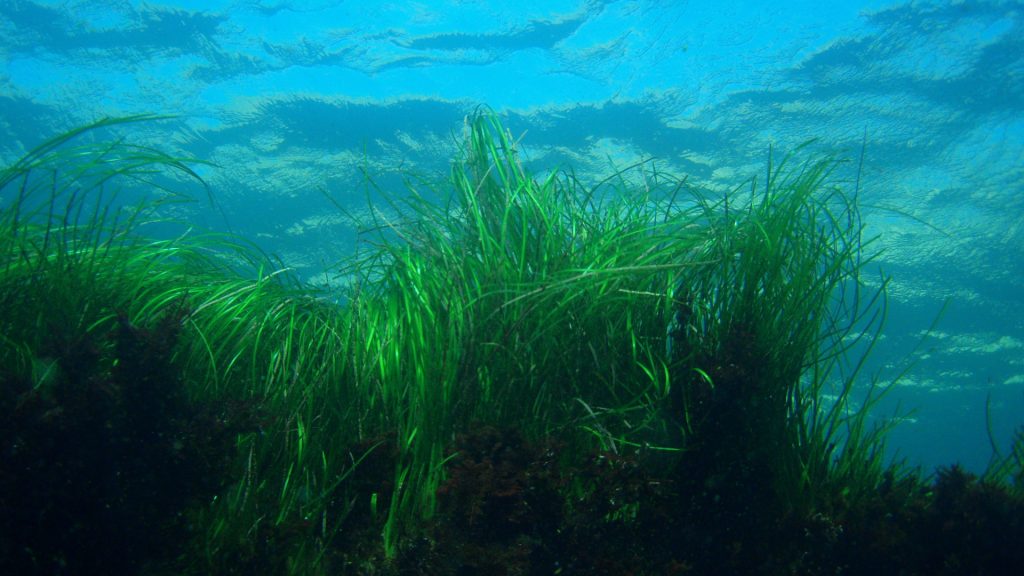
525 373
524 303
655 321
145 366
771 333
102 446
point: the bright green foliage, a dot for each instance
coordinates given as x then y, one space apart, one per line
517 302
67 241
616 317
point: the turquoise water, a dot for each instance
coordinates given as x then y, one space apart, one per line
290 99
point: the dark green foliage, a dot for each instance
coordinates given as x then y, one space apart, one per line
105 450
760 332
514 507
504 493
510 506
971 527
103 459
1008 469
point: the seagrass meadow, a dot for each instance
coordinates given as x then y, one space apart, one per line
522 374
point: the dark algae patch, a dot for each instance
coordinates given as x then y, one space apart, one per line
525 376
103 459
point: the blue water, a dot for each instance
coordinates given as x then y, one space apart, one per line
291 98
